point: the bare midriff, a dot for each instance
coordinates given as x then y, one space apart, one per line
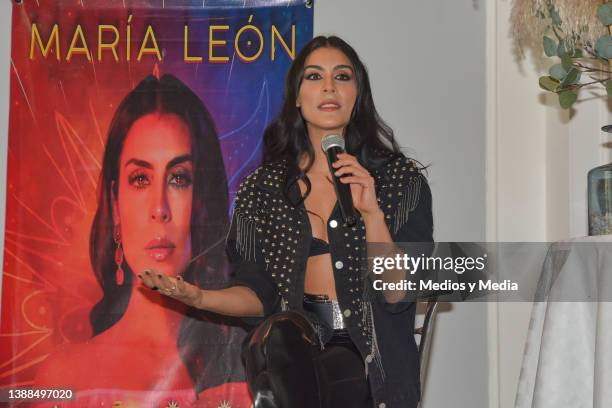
319 276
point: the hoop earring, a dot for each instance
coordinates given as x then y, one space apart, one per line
120 276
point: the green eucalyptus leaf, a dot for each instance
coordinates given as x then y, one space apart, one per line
561 49
577 53
548 83
566 62
604 13
609 87
556 20
558 72
567 99
550 47
572 77
603 46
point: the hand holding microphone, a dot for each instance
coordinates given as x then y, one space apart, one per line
354 185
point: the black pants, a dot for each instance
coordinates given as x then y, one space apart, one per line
286 367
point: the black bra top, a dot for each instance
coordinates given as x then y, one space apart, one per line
318 247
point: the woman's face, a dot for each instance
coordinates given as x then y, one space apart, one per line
328 91
154 199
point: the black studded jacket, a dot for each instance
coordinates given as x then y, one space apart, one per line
268 246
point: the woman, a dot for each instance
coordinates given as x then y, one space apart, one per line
327 339
162 203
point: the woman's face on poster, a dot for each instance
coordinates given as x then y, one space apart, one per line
328 91
153 205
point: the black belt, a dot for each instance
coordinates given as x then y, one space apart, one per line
327 310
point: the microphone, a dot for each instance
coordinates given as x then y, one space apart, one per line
333 145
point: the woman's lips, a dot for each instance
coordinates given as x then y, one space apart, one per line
159 249
160 254
329 106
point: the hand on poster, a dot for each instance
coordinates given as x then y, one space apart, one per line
175 288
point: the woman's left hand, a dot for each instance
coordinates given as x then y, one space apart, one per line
363 190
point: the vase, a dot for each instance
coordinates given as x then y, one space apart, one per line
600 200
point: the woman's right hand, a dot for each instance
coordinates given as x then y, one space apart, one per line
175 288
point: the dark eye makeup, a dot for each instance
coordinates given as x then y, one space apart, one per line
341 76
138 179
178 178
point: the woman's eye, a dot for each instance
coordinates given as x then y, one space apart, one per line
139 180
180 180
313 76
343 77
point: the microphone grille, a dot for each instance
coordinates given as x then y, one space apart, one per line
331 141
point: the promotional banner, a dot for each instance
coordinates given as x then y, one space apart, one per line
132 124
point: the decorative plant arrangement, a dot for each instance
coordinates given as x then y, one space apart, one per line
574 32
577 34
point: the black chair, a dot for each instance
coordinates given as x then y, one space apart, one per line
425 332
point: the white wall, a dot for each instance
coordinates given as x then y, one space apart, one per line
516 137
427 67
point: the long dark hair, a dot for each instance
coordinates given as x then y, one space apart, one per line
209 214
367 136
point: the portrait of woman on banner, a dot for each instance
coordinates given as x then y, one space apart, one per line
163 204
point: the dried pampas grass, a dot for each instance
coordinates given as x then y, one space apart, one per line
579 21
